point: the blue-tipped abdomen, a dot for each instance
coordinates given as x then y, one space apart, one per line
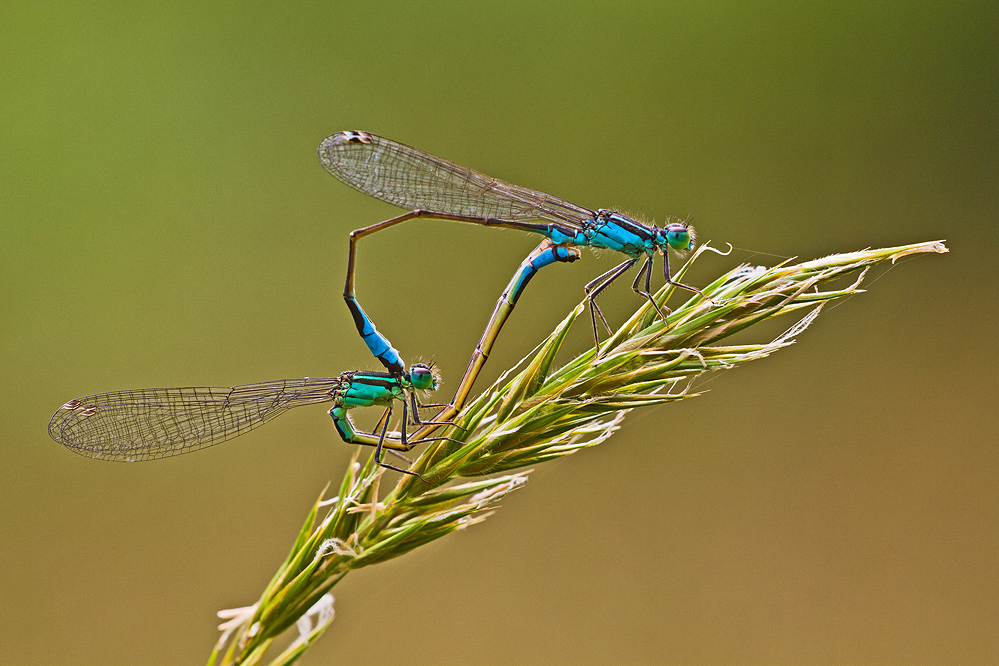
376 342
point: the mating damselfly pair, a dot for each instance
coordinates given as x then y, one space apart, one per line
155 423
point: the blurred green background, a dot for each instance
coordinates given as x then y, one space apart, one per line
164 221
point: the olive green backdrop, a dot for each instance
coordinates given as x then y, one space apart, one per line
164 221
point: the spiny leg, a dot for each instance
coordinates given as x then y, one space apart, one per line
670 280
405 444
378 426
589 286
594 287
416 415
647 270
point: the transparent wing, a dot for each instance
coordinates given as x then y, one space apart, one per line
412 179
144 424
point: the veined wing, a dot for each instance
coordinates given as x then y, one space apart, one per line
410 178
144 424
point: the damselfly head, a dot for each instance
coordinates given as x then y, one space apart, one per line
424 377
679 236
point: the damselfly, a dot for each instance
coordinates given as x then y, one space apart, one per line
146 424
433 187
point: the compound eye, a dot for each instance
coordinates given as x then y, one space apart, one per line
678 237
421 376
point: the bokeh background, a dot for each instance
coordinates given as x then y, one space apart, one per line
164 221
